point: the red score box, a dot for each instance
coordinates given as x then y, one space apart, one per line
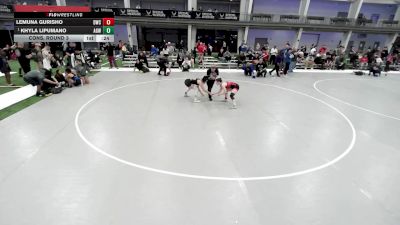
108 21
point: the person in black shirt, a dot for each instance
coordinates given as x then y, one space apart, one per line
261 68
163 62
370 55
241 59
221 54
69 51
180 58
141 67
353 57
5 67
142 58
24 56
110 54
51 82
384 53
212 73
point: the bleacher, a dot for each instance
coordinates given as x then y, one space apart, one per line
130 60
209 61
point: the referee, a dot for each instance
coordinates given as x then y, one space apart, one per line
212 74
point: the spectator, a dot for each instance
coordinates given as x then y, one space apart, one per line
37 55
47 56
180 58
287 58
309 63
370 55
300 56
142 58
36 78
261 68
265 57
141 67
209 49
375 68
243 47
319 61
258 47
248 69
329 59
340 64
60 78
81 71
163 63
227 56
124 50
313 51
70 55
385 52
118 48
250 55
201 49
170 48
241 59
110 54
277 62
153 51
364 62
389 60
49 83
71 78
323 50
5 67
186 65
304 50
293 60
194 55
24 56
353 57
273 52
221 55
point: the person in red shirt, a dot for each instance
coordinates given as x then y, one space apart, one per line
265 57
226 87
364 62
201 49
323 50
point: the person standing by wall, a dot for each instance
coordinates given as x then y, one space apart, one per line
5 67
273 52
287 58
278 61
111 56
209 49
46 54
24 56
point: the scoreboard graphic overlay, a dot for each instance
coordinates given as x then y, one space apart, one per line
64 27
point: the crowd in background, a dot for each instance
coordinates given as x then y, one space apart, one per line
67 66
320 57
282 60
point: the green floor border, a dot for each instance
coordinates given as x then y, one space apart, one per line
12 109
17 80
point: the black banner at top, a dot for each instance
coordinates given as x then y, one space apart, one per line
6 9
176 14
